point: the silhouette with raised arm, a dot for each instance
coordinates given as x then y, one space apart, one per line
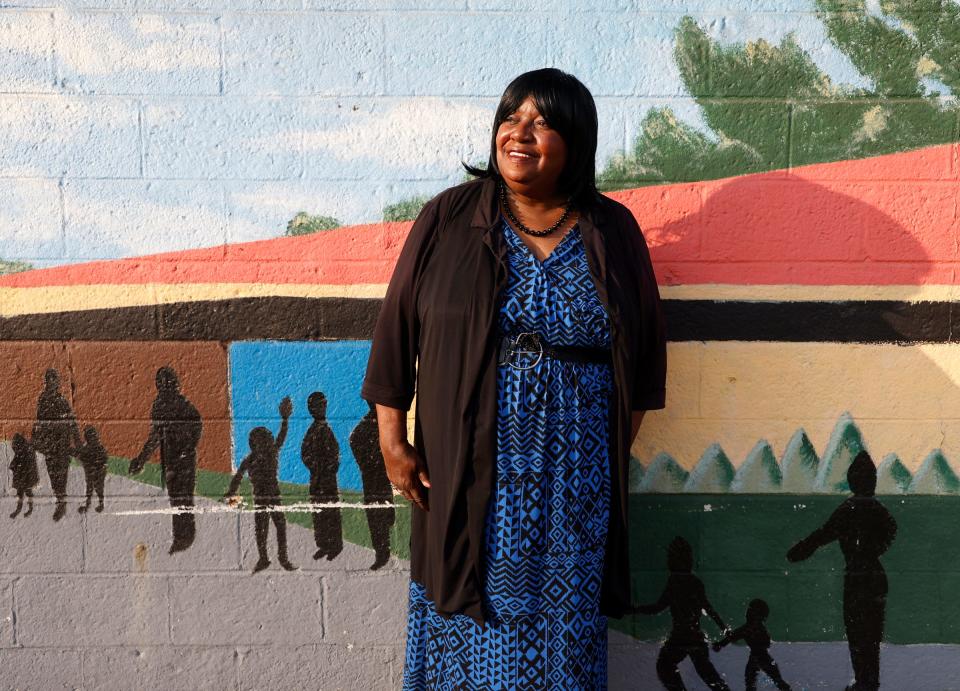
365 444
686 597
23 467
93 458
320 453
757 638
865 530
262 466
175 427
55 433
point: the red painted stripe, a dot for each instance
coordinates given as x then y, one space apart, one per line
886 220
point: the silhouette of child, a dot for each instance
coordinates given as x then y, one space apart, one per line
93 457
686 597
755 634
25 474
865 530
261 465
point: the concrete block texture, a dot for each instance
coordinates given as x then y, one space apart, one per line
173 668
453 70
382 617
54 135
304 53
26 47
137 53
104 218
267 608
323 667
38 669
222 138
70 610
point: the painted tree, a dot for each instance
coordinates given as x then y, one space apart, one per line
762 101
305 224
13 267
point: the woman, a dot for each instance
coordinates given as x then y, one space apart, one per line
524 312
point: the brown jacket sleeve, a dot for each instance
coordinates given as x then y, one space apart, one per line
649 384
390 378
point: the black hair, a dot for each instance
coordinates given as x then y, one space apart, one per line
568 106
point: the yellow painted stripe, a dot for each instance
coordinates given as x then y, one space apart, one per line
904 399
47 299
20 301
798 293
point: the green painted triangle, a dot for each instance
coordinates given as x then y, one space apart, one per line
799 465
635 477
712 474
935 476
892 476
664 476
759 473
844 445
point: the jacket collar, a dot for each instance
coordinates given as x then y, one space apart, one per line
592 222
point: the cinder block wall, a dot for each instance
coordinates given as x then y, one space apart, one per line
793 164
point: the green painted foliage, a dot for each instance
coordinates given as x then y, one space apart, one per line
305 224
13 267
405 210
799 472
770 106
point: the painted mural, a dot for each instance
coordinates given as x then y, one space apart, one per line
798 189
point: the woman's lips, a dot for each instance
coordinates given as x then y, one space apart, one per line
520 157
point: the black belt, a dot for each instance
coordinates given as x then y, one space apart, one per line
532 343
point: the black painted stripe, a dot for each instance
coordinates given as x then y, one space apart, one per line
298 319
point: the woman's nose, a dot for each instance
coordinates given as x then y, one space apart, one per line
521 132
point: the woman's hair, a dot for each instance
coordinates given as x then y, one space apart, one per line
568 107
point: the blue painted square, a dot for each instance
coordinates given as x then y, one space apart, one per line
263 372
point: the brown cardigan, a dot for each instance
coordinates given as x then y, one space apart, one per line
442 305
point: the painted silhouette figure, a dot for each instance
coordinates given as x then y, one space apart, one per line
262 466
175 427
686 597
365 444
865 530
320 453
23 467
756 636
55 433
93 458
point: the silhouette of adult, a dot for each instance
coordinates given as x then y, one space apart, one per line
365 444
686 597
55 433
865 530
175 427
320 453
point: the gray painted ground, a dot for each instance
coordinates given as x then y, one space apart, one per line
95 602
804 666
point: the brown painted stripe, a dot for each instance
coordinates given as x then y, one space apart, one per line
302 318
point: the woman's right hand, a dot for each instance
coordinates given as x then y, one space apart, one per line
407 472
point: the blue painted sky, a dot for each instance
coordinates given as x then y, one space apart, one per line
262 373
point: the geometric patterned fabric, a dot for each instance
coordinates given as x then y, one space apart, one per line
547 522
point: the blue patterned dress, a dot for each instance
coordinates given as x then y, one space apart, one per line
547 523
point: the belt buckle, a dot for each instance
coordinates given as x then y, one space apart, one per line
522 339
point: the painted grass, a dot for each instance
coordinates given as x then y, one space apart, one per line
740 545
212 485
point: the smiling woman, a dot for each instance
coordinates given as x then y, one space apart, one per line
524 313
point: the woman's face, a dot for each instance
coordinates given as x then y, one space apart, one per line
530 153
